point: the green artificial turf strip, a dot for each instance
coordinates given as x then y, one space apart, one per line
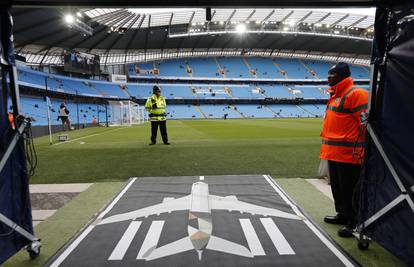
317 206
66 222
281 147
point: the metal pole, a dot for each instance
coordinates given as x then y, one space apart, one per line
46 84
12 144
130 113
49 106
15 90
17 228
77 108
106 114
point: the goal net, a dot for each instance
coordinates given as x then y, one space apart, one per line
126 113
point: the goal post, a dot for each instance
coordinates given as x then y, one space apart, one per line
126 113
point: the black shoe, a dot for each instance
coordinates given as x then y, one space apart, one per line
346 231
167 144
151 144
337 219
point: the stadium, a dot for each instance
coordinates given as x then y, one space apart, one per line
247 90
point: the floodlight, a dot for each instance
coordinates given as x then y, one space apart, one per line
318 25
79 14
78 24
285 29
291 23
241 28
69 18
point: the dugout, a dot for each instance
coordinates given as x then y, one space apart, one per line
387 187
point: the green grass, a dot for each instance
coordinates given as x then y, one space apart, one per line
281 147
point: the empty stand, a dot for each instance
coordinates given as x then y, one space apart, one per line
293 68
204 67
265 68
235 68
250 68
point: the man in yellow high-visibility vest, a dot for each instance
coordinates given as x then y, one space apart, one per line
156 106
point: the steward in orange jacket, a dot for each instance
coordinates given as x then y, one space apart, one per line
341 140
342 143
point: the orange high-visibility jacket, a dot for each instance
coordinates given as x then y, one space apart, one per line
341 126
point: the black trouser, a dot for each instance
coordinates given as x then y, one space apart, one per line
163 129
344 178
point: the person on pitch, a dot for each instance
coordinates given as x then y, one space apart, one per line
156 106
342 143
64 116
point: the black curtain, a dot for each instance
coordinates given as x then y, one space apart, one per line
392 118
14 185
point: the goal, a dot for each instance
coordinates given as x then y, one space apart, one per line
126 113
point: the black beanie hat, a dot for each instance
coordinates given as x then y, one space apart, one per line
341 69
155 89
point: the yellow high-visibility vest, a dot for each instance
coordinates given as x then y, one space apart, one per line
156 106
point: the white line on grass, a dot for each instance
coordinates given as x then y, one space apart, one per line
311 226
87 136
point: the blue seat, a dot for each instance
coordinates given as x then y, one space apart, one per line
265 68
294 69
234 68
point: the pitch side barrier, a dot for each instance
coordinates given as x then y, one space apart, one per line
235 101
213 80
30 91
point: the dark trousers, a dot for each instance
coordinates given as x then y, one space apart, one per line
163 129
344 178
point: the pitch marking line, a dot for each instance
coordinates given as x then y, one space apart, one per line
88 229
311 226
87 136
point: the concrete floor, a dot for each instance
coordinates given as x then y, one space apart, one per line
48 198
322 185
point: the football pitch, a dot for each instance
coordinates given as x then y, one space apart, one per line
279 147
108 157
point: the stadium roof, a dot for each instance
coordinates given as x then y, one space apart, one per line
132 17
202 3
123 31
